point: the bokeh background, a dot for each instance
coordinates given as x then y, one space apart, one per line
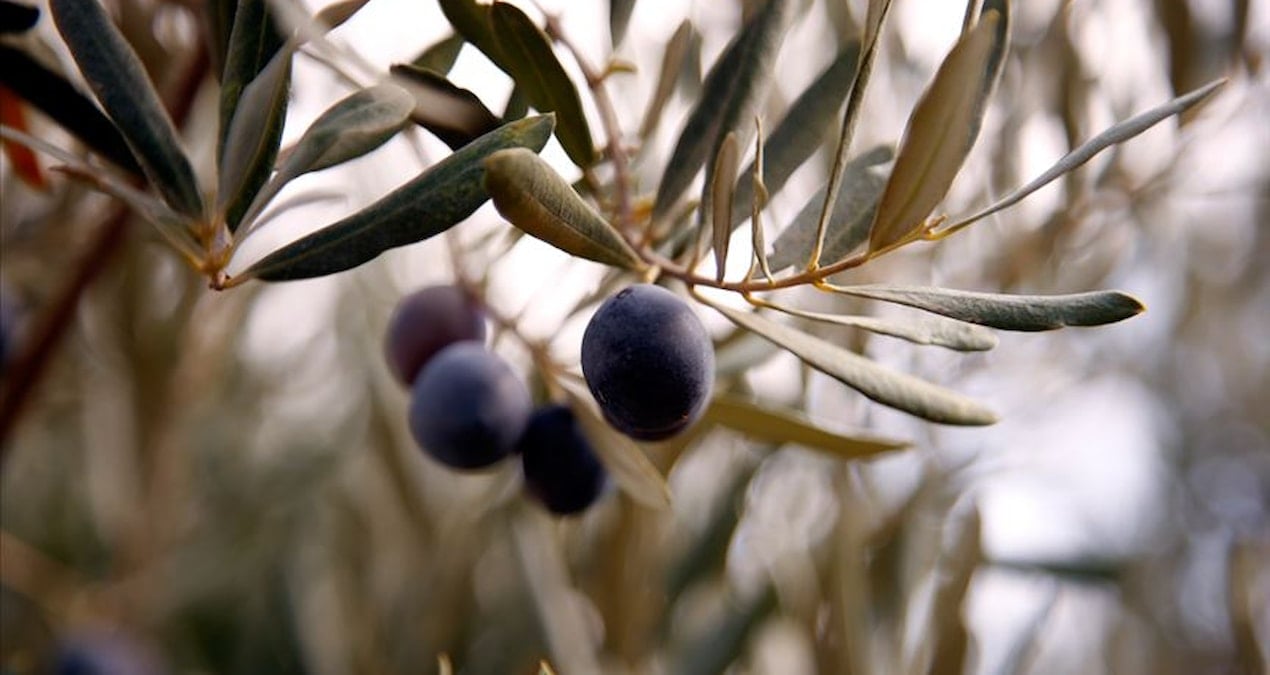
225 480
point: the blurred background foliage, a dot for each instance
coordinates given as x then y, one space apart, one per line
225 482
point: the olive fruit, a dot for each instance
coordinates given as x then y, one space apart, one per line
561 469
427 321
649 362
467 407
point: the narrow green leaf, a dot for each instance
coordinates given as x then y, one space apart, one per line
737 80
724 642
1117 133
726 164
454 114
429 204
253 41
52 95
116 76
941 131
624 459
849 223
803 128
335 14
758 200
529 58
890 388
471 19
218 15
440 57
251 143
949 646
1008 312
517 105
533 197
940 332
352 127
672 63
773 424
619 19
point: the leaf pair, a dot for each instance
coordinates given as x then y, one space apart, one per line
517 46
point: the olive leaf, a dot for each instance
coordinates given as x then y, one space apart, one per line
252 139
441 55
672 63
772 424
890 388
16 17
1008 312
254 39
802 130
527 55
725 169
958 335
431 203
941 131
116 76
1117 133
350 128
533 197
619 19
52 95
452 113
471 19
734 84
852 214
623 458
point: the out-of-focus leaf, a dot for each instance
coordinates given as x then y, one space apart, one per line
849 225
802 130
709 549
725 168
928 330
772 424
624 459
219 17
1008 312
429 204
454 114
758 201
1117 133
117 77
16 17
440 57
949 648
350 128
736 81
528 57
533 197
672 63
619 19
253 41
941 131
251 143
517 105
725 641
21 158
335 14
890 388
471 19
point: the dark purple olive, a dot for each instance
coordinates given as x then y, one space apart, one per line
561 469
427 321
649 362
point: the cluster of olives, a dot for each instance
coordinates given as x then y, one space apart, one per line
646 357
469 410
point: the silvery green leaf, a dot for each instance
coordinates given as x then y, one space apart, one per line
726 164
1117 133
802 130
253 137
115 74
431 203
888 387
253 40
533 197
773 424
849 223
1008 312
672 63
735 83
927 330
452 113
941 131
440 57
